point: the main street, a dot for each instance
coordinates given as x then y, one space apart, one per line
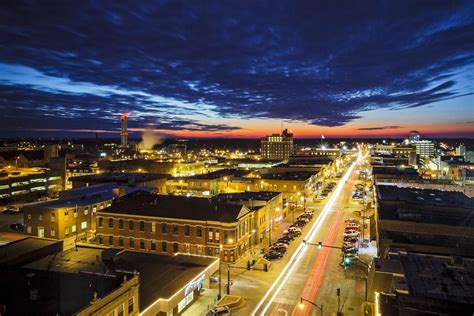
315 274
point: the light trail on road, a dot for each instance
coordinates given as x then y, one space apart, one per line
267 300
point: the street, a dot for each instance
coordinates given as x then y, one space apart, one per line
315 274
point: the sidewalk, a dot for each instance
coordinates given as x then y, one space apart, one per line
203 304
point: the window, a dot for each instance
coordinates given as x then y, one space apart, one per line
86 211
142 226
175 229
142 244
186 230
153 227
217 235
40 217
175 247
163 228
131 225
29 216
101 240
211 234
199 231
53 232
131 243
66 231
120 223
101 222
28 229
164 246
120 310
84 225
66 216
130 305
73 228
111 223
153 245
121 241
111 240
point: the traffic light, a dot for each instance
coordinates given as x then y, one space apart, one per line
347 261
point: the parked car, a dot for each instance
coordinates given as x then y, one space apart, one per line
280 244
352 239
303 219
295 234
300 223
352 228
351 220
294 228
284 240
281 249
352 250
351 234
219 310
17 226
309 212
273 255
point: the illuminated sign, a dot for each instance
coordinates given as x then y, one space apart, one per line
197 283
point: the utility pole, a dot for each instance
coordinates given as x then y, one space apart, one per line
338 293
228 279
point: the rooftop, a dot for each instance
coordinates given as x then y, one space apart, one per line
439 277
425 206
293 176
87 196
121 177
180 207
160 276
424 196
261 195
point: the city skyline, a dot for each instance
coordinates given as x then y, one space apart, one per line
237 70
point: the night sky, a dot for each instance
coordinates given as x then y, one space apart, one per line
237 68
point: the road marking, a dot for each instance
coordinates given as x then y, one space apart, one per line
301 250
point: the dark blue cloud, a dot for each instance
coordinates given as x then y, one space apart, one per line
176 64
377 128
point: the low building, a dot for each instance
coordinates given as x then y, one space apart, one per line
390 174
268 210
93 280
27 184
419 284
142 179
168 224
72 216
429 221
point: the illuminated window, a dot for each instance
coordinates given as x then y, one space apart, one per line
84 225
153 227
130 305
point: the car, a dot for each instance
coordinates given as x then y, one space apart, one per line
352 239
17 227
352 224
348 229
280 244
348 244
294 228
272 255
309 212
300 224
352 250
303 219
219 310
351 220
295 234
308 216
352 232
278 248
284 240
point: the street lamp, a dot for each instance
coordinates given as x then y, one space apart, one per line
220 278
301 304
